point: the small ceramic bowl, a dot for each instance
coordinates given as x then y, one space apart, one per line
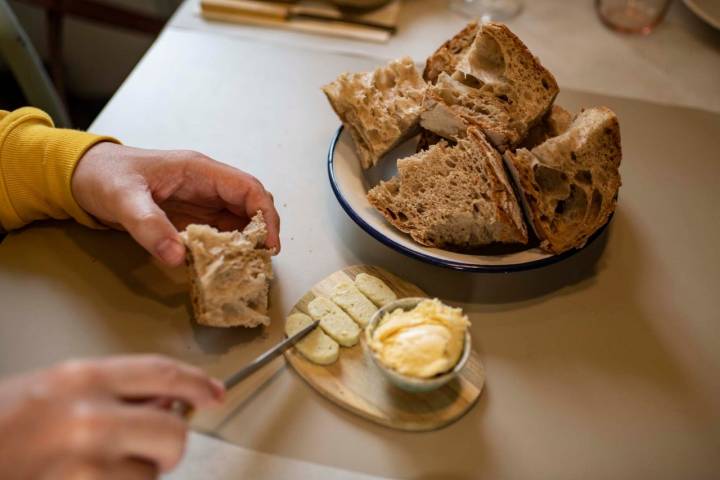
412 384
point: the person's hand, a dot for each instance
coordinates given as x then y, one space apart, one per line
153 193
99 419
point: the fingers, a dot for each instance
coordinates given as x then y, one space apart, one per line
94 469
259 199
130 469
155 436
151 376
150 227
248 203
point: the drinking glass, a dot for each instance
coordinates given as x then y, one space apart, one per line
487 10
632 16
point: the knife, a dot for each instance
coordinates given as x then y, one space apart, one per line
291 12
185 410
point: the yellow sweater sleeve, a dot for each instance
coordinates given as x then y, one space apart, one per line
37 162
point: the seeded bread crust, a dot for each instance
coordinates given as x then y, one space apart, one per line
452 196
380 108
569 184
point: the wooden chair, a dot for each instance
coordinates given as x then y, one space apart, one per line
26 66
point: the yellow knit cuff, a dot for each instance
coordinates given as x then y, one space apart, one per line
37 164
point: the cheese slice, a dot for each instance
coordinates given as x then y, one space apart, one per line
350 299
375 289
316 346
336 323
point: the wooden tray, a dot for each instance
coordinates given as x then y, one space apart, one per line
356 384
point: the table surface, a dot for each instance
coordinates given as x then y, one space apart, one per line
606 365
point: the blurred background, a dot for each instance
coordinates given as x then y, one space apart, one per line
101 41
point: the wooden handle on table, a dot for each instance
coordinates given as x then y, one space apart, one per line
246 7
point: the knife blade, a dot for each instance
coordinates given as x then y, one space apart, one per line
185 410
264 358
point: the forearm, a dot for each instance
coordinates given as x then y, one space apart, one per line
37 162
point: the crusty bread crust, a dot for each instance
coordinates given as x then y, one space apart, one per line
380 108
446 58
494 83
452 196
569 184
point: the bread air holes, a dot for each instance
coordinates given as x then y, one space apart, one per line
575 205
584 177
550 180
468 80
595 205
545 84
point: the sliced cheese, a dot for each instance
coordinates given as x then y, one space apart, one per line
316 346
334 321
350 299
375 289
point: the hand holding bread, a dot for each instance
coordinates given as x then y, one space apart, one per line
154 193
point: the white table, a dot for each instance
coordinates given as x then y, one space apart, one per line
677 65
603 366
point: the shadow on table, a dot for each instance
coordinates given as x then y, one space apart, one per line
575 272
148 279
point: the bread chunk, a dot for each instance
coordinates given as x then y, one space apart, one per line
380 108
497 86
316 346
230 274
554 123
446 58
336 323
347 296
569 183
455 196
375 289
451 107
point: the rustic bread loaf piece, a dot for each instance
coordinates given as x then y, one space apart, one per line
569 183
230 274
380 108
554 123
497 85
451 107
446 58
455 196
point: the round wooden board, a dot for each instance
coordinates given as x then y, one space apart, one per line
356 384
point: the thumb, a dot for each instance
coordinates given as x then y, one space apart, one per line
150 227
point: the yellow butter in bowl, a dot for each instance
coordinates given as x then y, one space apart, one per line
422 342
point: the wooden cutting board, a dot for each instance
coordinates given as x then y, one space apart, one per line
356 384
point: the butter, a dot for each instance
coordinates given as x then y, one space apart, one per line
421 342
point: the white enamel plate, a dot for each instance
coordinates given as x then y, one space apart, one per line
350 183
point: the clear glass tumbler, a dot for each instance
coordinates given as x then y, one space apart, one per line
487 10
632 16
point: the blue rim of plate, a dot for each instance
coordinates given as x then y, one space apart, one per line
452 264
